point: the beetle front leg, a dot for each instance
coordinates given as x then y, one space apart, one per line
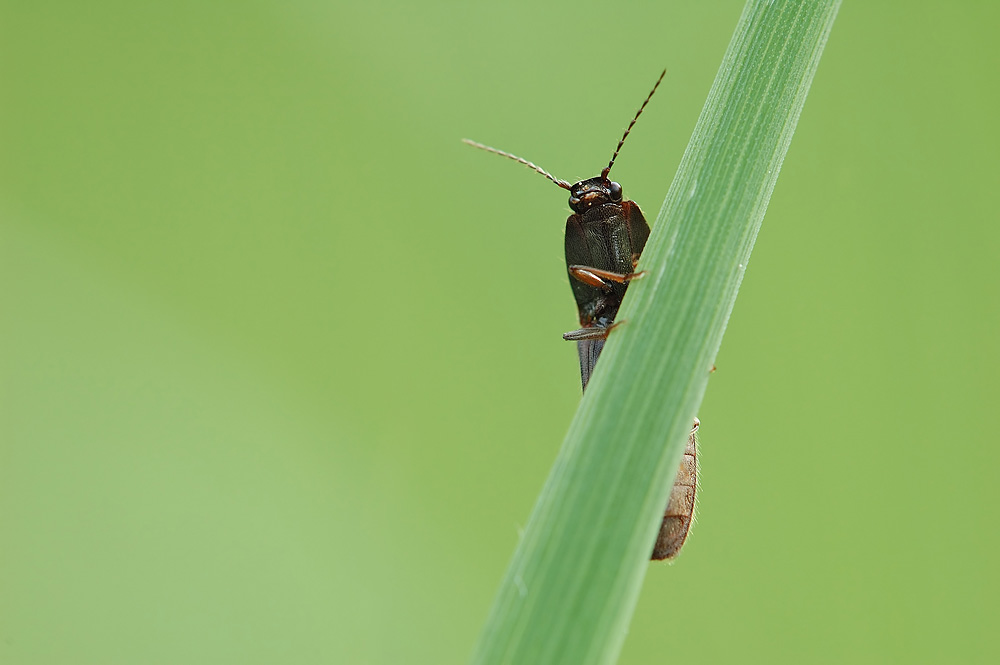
595 276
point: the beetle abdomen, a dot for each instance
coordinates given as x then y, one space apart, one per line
680 508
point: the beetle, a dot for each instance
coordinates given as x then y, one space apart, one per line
605 236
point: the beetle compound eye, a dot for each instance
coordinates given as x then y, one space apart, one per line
616 191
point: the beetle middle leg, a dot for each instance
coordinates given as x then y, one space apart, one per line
595 276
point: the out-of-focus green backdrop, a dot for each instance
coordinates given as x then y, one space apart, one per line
281 361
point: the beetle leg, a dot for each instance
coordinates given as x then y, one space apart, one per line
591 332
595 276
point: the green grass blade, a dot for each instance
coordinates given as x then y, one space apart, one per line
572 585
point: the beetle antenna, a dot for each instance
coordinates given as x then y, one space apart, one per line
604 173
520 160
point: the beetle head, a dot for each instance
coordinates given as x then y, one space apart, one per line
596 191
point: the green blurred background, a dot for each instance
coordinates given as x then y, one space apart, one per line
281 362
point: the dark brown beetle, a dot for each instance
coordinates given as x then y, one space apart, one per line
605 236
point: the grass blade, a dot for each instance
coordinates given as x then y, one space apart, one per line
572 585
